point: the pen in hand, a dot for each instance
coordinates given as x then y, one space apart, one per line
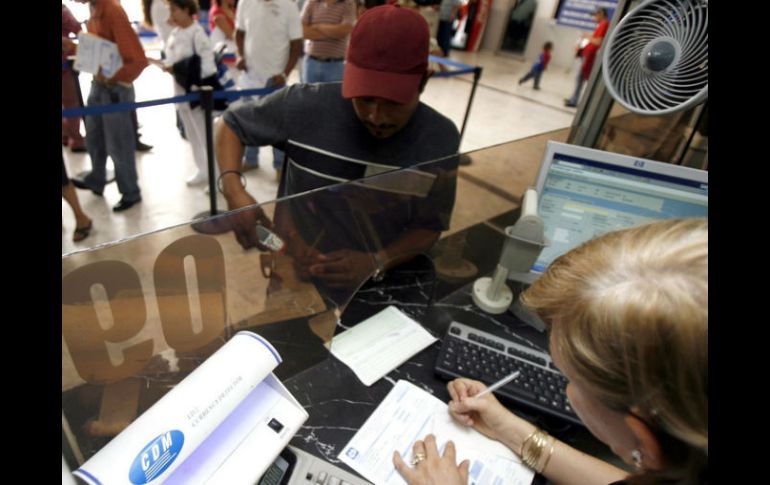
497 385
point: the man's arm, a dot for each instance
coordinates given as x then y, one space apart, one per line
348 268
310 32
129 47
221 22
229 151
295 49
407 246
334 31
240 63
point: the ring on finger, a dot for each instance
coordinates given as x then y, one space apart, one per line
418 458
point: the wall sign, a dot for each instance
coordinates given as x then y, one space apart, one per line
579 13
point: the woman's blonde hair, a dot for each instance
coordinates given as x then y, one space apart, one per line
628 312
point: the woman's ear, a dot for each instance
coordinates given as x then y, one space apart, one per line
647 443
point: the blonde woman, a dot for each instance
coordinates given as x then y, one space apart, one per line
628 319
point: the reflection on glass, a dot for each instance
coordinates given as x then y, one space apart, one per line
140 314
680 137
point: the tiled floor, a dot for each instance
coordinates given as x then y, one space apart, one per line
502 111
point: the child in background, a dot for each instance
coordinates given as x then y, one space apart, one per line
188 38
538 68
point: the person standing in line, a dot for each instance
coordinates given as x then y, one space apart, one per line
618 309
589 55
70 127
188 38
83 223
222 23
538 67
446 15
268 38
112 134
156 16
326 26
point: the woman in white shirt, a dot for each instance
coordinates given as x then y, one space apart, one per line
188 38
156 13
222 23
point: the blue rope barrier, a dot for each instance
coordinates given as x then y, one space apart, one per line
113 108
230 95
453 73
450 62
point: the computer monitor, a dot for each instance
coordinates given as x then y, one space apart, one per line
583 192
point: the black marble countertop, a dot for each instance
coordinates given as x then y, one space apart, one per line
339 404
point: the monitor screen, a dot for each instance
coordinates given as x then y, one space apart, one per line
585 192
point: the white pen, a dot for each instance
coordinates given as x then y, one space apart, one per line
497 385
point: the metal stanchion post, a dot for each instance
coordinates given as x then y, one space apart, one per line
207 101
476 76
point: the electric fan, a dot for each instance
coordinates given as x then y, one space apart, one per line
656 59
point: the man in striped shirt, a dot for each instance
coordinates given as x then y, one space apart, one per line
326 26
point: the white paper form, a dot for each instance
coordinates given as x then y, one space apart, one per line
407 414
94 53
380 343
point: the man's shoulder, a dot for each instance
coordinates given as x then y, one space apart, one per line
435 123
111 8
316 92
299 99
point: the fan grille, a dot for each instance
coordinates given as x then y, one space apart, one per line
656 61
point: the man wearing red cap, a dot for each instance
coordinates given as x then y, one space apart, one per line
372 122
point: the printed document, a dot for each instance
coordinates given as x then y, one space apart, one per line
94 53
408 414
380 343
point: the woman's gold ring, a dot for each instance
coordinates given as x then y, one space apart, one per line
418 457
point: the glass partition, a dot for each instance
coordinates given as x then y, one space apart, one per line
140 314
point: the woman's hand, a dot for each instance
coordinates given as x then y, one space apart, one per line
432 469
485 414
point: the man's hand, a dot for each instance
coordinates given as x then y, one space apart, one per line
240 63
244 223
68 47
102 79
304 255
342 269
277 81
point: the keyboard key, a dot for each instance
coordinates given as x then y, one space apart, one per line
455 330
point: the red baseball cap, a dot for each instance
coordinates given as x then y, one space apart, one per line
388 54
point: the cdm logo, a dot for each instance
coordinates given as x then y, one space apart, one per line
156 457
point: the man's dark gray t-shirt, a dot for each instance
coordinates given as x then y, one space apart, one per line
326 143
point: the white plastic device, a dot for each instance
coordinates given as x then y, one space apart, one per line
523 243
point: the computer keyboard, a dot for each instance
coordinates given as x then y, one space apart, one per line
473 353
